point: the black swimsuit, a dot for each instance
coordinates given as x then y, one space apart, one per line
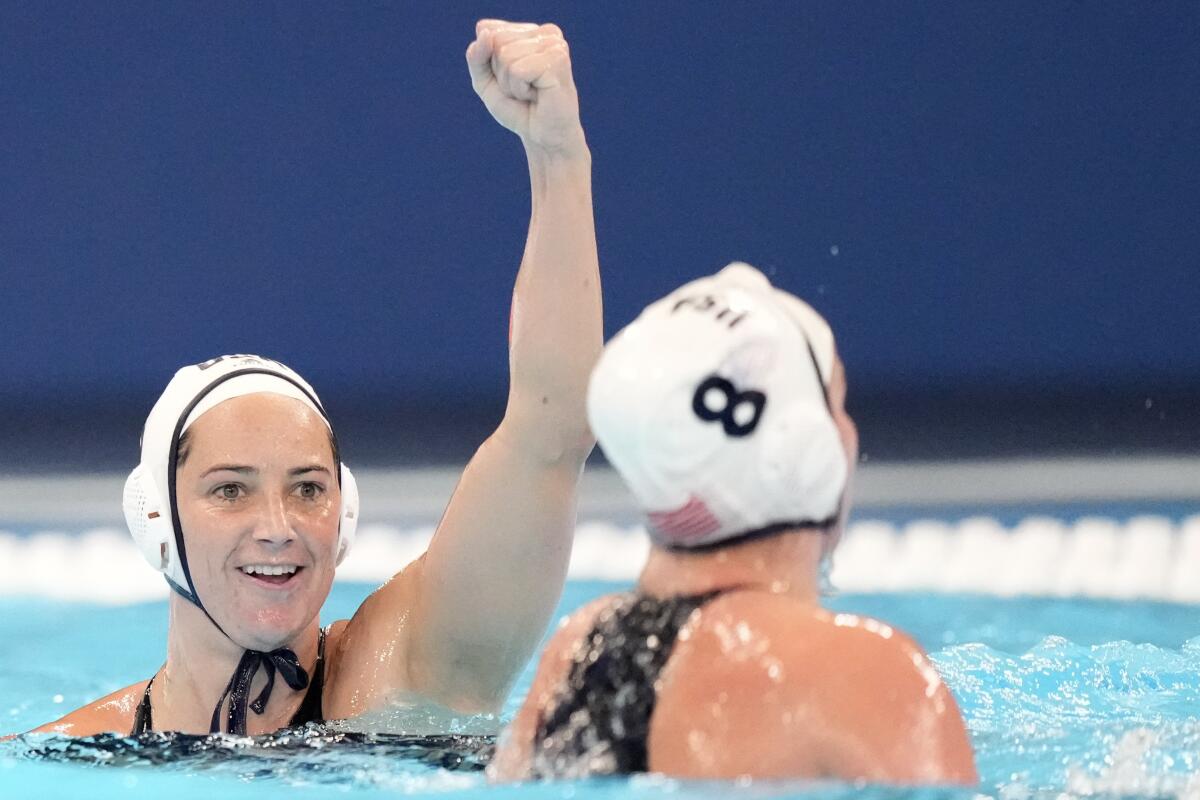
601 720
309 710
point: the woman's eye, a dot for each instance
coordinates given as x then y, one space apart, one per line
230 491
309 491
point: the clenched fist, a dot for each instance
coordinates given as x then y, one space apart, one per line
522 72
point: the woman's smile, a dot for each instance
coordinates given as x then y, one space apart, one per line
273 576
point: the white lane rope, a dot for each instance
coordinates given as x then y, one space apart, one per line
415 496
1146 557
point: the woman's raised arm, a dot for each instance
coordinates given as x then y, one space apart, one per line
458 625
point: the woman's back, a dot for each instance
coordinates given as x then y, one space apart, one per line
752 683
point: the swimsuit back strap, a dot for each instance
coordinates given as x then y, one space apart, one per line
600 722
143 717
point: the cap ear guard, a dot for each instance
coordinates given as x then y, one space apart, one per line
816 481
348 519
144 514
150 523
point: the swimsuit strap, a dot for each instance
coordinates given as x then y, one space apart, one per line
238 691
310 708
600 719
143 717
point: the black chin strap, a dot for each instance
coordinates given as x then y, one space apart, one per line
238 690
283 660
191 598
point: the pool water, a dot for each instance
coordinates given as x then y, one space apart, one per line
1083 697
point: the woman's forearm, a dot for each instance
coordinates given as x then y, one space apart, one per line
557 326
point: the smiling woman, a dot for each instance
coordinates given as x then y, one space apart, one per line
258 498
242 502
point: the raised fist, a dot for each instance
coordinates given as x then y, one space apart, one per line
522 72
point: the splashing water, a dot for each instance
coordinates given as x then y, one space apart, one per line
1116 718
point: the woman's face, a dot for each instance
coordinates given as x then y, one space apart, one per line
259 506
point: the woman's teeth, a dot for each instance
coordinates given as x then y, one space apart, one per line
268 569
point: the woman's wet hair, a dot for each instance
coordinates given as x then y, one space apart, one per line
181 452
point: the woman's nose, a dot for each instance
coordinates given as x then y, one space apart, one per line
274 523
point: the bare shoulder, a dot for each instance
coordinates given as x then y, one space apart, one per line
858 642
367 656
763 684
899 712
868 645
110 714
816 643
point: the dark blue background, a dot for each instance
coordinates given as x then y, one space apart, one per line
1011 191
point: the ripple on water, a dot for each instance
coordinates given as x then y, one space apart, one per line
299 757
1116 718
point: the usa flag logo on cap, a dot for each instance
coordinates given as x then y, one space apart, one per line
688 523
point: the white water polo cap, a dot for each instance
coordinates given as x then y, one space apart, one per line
149 500
713 405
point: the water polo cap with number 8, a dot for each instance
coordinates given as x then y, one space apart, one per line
713 405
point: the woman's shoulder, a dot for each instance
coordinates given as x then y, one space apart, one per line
805 625
754 637
112 713
770 685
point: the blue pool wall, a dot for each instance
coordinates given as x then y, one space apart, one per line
992 204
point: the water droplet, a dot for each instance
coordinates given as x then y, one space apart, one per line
834 250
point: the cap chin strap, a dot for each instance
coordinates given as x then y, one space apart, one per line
282 659
238 688
191 598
